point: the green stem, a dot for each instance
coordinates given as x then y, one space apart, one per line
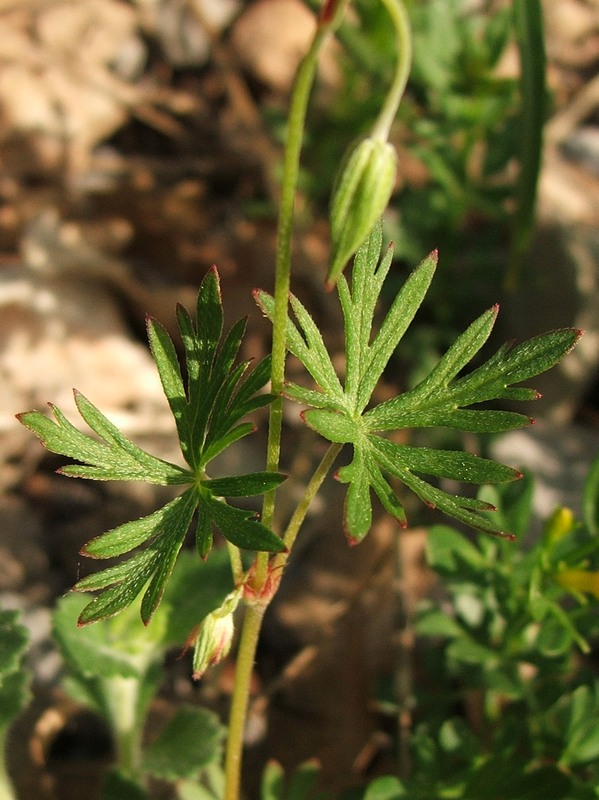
295 130
6 790
298 516
254 613
121 697
252 623
236 563
401 22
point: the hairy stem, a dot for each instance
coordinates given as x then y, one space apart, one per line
254 613
298 516
401 23
295 130
252 623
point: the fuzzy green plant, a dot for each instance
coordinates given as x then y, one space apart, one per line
15 681
210 395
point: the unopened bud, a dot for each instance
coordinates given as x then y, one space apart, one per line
362 191
560 523
215 635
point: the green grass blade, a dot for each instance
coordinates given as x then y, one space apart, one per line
528 18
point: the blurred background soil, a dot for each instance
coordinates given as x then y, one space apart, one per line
140 143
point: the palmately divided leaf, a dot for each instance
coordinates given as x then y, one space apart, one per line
208 397
366 360
443 398
112 458
153 565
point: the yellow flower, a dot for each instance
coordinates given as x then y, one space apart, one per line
560 523
579 580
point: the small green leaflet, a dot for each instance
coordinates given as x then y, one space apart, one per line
338 412
208 408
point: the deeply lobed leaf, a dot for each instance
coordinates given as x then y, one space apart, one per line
441 399
208 406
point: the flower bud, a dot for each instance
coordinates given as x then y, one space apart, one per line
559 524
215 635
579 580
362 190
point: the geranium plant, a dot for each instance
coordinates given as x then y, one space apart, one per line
210 395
